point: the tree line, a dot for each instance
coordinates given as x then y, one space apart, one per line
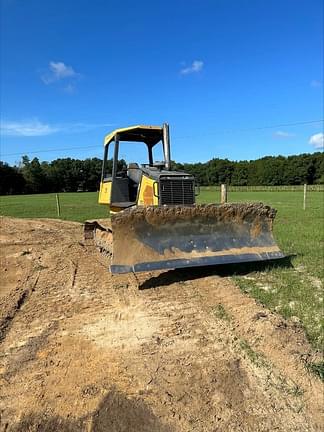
71 175
267 171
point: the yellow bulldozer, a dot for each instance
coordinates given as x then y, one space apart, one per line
155 222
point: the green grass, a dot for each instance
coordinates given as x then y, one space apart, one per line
255 357
317 369
221 313
293 292
78 206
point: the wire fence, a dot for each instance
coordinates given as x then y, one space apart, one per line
82 206
288 188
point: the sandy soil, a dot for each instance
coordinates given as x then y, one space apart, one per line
82 350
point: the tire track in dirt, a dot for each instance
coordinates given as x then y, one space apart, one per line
10 305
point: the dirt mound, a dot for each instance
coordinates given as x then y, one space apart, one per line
176 351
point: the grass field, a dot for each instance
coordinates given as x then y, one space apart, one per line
292 291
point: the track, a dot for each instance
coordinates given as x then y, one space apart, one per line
176 351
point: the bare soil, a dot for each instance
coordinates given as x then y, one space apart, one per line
82 350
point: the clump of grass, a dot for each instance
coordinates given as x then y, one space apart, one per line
221 313
317 369
255 357
295 390
288 386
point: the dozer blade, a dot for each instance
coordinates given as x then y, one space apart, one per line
168 237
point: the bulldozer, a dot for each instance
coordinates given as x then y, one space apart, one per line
155 222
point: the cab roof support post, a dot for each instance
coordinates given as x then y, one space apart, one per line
115 161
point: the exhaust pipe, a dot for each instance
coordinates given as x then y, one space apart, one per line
166 146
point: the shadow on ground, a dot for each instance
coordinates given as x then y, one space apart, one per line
186 274
115 413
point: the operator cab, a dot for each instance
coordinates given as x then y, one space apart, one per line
124 182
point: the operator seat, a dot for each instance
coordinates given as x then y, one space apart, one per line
134 174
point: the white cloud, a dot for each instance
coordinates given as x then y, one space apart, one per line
316 83
26 128
58 71
317 140
283 134
82 127
196 66
35 127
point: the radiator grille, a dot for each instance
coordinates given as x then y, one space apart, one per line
177 190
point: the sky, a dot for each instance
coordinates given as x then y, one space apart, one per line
236 79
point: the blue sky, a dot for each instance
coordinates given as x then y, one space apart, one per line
234 78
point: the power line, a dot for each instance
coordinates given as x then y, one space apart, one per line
257 128
53 150
178 138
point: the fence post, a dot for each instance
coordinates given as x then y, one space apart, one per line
58 206
305 190
223 193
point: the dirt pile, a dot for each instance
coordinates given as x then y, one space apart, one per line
82 350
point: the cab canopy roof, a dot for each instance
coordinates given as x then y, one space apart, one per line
150 135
